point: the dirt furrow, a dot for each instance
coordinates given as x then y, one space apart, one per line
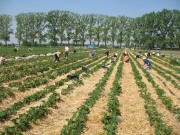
94 125
175 99
54 122
20 96
168 117
167 68
133 119
39 102
38 74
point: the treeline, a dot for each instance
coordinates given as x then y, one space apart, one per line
160 29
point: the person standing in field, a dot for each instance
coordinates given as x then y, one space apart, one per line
74 51
57 55
107 52
66 52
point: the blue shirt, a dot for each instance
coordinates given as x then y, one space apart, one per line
148 62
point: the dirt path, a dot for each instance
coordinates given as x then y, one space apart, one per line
167 68
175 99
20 96
34 104
168 117
54 122
133 119
39 73
94 126
167 62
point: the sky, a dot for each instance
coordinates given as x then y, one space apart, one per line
130 8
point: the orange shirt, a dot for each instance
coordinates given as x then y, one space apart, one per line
126 58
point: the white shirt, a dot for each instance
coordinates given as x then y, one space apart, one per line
66 48
1 60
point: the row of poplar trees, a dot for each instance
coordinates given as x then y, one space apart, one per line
57 27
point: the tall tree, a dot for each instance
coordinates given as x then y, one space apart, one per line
5 27
53 26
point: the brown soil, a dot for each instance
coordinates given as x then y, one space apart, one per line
162 66
38 74
20 95
33 104
168 117
175 99
54 122
94 126
133 120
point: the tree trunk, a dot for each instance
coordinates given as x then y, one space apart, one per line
5 42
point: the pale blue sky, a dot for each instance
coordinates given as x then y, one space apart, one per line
130 8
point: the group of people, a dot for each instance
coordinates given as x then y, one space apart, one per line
58 53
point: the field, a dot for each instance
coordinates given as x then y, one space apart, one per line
37 97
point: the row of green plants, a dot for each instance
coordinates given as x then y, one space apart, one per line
44 78
41 94
40 68
4 92
30 82
39 62
15 68
167 71
78 121
6 113
176 69
110 118
162 72
85 75
22 123
155 118
160 92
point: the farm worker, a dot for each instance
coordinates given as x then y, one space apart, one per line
2 60
107 52
137 55
16 49
115 55
158 54
147 63
113 59
57 54
91 53
74 50
66 52
126 58
30 49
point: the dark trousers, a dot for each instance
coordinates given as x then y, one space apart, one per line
56 57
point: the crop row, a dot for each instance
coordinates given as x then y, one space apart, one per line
34 71
162 72
32 82
43 78
161 93
6 113
77 122
155 118
22 123
177 70
110 118
4 92
80 81
49 88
